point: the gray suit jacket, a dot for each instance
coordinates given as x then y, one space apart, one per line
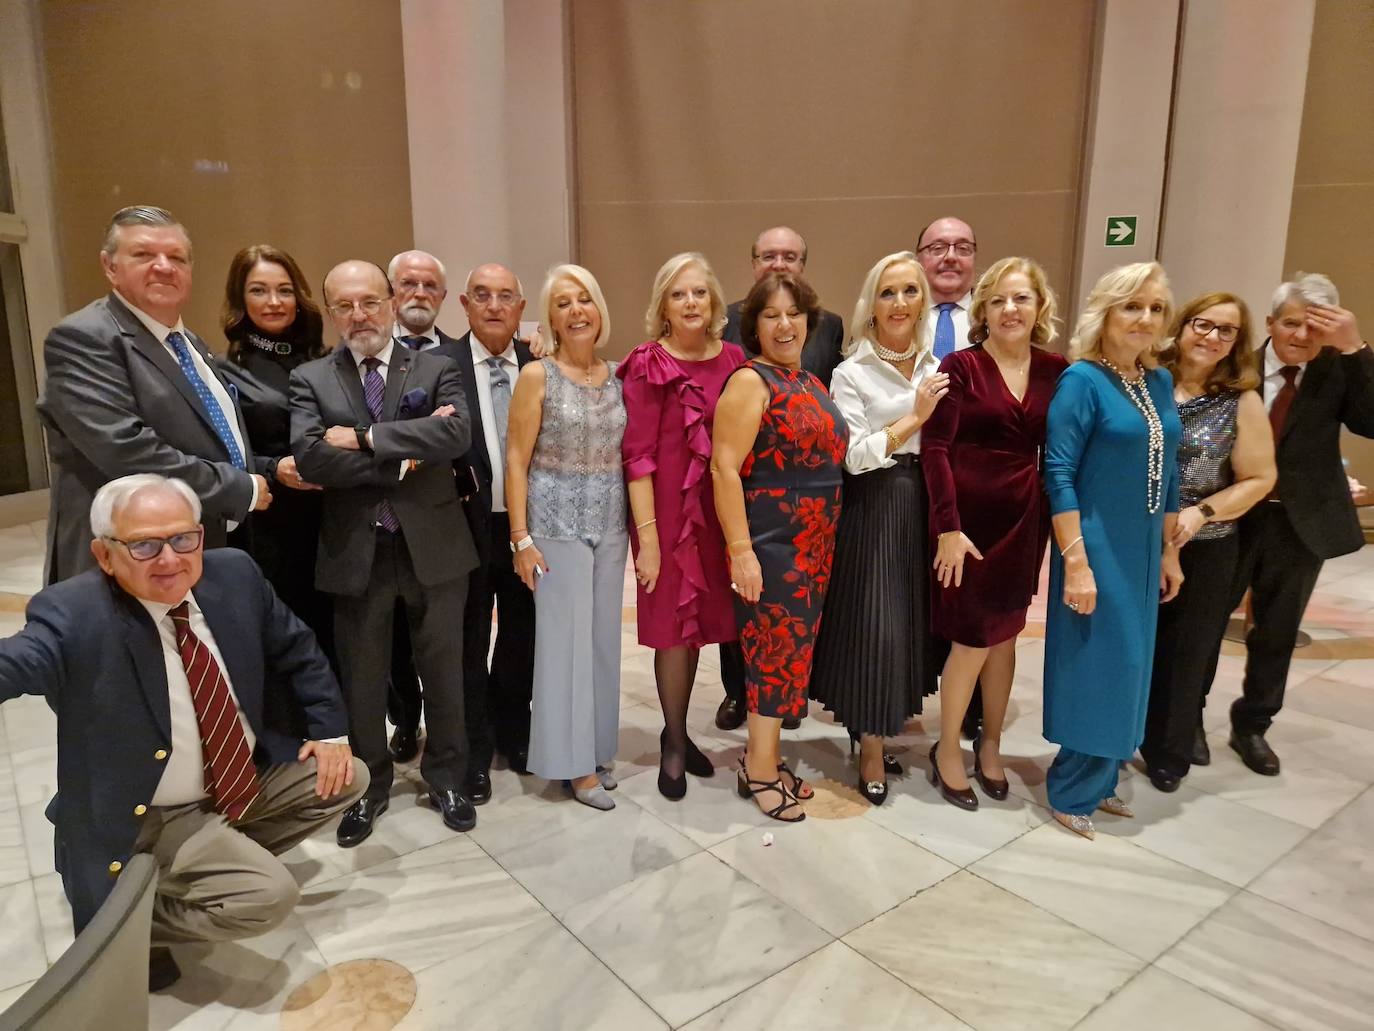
115 403
328 392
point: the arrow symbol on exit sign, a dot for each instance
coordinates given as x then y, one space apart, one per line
1120 231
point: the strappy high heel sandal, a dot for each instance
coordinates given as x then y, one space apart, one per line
789 810
798 787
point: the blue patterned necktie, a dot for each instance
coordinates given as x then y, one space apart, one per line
212 408
944 329
374 389
500 400
415 343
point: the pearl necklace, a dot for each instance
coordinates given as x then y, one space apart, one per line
1140 397
889 355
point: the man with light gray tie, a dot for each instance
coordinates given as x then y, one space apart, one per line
947 249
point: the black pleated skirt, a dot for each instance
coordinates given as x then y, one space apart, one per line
875 657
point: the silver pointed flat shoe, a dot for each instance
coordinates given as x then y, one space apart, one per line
608 781
595 797
1114 805
1079 824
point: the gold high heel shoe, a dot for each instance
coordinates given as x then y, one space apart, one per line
1114 805
1079 824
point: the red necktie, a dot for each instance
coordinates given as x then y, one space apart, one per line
1283 400
230 775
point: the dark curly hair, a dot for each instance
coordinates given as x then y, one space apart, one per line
307 329
802 293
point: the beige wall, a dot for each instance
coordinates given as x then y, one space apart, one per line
1331 227
252 121
698 124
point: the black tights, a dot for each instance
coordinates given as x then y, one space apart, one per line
675 670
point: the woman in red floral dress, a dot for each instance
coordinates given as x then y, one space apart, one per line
778 447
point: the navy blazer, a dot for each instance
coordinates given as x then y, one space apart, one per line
474 468
92 649
1336 390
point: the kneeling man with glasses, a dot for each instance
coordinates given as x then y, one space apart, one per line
172 671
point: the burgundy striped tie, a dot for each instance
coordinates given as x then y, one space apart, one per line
230 775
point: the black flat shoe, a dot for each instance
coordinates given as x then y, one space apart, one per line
356 825
673 788
478 787
405 745
964 799
1255 752
163 971
994 789
1202 755
1165 781
731 714
456 809
697 762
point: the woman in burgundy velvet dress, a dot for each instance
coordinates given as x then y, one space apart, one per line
982 451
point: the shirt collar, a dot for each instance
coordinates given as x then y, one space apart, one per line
151 324
383 356
866 352
399 331
481 354
159 611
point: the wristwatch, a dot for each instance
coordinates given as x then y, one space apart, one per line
1208 512
524 542
361 431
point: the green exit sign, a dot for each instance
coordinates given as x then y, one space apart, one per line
1121 230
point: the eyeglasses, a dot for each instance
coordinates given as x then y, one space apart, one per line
412 286
1226 334
938 249
786 257
147 548
505 298
344 309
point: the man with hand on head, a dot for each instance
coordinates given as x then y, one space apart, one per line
378 425
129 389
159 665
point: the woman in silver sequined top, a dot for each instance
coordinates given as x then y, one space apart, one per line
1226 466
566 499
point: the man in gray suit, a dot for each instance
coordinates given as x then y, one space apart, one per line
130 390
378 425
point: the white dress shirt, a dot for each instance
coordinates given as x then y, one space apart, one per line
960 317
1273 376
872 395
384 357
480 354
217 391
431 336
183 778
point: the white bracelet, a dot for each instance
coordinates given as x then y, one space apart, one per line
523 543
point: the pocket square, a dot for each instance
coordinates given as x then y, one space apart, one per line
414 402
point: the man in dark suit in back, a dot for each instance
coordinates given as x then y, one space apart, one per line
779 249
196 775
378 426
1318 375
129 389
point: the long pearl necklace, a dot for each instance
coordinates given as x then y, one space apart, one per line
1140 397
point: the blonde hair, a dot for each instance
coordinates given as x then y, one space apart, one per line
1114 288
583 278
669 271
860 326
1046 309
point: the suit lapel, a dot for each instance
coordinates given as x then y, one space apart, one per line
147 345
351 383
144 642
402 358
463 356
1313 380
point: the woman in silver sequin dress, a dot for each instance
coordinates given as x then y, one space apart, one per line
566 499
1225 466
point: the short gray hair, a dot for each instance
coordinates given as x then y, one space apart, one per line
111 499
1305 288
138 215
396 260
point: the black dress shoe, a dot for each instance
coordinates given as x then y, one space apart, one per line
1165 781
1255 752
1202 755
518 761
163 971
405 745
478 787
457 810
731 714
356 825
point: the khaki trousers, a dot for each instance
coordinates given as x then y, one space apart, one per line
219 881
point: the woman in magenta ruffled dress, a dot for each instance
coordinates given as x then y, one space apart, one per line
671 385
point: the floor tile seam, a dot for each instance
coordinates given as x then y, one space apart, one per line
1156 967
747 988
1362 936
870 817
394 859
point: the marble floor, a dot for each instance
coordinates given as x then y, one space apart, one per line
1241 902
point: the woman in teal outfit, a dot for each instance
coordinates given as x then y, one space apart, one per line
1112 481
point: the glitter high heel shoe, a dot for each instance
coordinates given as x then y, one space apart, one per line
1079 824
1114 805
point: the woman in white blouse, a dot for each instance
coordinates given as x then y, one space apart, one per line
874 658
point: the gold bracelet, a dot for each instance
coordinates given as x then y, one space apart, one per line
892 439
647 522
731 546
